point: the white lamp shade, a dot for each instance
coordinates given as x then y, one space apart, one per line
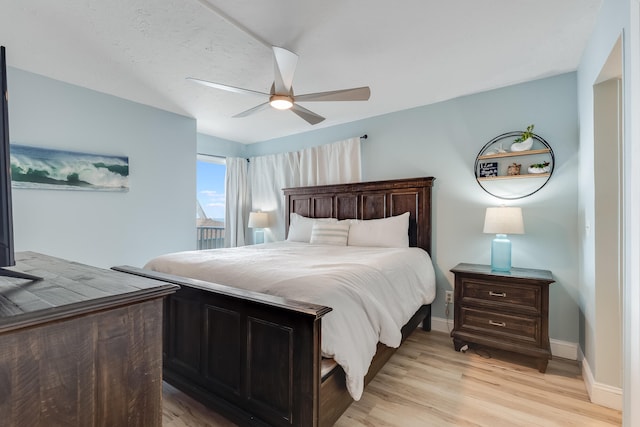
258 220
503 220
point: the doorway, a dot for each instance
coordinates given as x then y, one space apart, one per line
608 220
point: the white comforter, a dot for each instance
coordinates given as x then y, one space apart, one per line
373 291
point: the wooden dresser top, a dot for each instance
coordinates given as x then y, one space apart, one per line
516 273
67 289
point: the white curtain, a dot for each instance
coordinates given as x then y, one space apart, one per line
335 163
268 175
238 202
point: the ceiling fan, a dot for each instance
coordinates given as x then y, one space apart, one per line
281 95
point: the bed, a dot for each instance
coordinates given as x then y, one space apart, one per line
257 357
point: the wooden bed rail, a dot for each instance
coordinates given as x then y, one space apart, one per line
303 308
254 358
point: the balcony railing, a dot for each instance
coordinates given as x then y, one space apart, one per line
210 237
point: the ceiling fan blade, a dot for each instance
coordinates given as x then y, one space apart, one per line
354 94
227 87
284 66
252 110
309 116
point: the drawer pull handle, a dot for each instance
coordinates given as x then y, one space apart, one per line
501 324
497 294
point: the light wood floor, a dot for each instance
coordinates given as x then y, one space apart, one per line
427 383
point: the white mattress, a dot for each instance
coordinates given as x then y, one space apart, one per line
373 291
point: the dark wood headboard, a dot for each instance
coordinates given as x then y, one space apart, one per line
368 200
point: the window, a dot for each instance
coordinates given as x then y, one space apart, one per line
210 173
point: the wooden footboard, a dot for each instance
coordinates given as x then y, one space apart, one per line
254 358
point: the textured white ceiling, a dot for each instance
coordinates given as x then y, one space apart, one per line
410 52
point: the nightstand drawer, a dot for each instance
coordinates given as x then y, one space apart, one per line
526 298
521 328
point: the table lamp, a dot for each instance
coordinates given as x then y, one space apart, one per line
502 221
258 220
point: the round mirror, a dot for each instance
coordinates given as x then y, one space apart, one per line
511 170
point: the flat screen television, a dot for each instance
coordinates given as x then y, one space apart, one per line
7 256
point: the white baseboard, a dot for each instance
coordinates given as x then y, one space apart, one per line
600 394
559 348
564 349
439 324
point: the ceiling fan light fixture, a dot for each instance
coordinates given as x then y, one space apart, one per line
281 102
281 95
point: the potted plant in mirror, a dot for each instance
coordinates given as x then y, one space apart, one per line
525 141
539 168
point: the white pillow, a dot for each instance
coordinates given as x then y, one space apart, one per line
300 227
391 232
330 233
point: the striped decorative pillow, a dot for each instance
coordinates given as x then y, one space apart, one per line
327 233
300 227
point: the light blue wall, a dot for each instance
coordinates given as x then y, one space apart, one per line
214 146
104 229
442 140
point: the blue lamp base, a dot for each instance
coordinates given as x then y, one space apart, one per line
501 253
259 237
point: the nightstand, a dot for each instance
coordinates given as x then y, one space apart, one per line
505 310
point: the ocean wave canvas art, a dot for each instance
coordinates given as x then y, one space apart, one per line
34 167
